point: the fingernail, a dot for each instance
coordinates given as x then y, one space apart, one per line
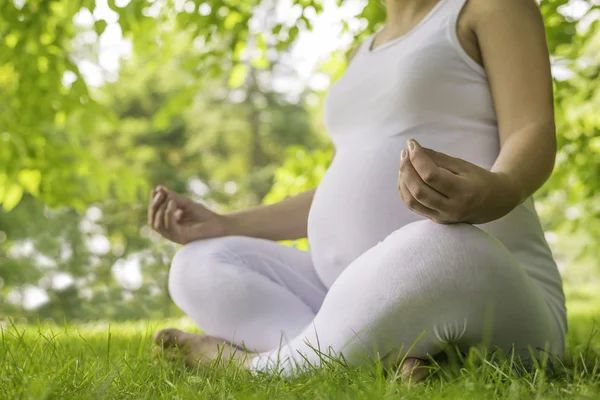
403 154
157 197
178 214
411 144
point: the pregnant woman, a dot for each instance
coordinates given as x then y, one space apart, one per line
422 232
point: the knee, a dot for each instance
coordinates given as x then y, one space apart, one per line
424 230
453 250
428 235
195 267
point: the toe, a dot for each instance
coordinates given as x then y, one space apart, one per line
169 337
159 336
414 370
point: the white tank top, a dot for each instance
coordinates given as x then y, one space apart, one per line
422 85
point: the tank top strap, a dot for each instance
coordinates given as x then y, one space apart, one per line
442 17
454 10
363 47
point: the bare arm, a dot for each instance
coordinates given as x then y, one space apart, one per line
182 221
285 220
513 46
510 37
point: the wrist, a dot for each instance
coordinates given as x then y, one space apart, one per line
508 192
230 224
215 226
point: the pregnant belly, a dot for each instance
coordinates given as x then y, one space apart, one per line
356 206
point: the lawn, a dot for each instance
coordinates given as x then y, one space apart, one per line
114 361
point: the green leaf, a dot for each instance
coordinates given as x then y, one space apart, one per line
12 197
294 30
30 179
260 62
239 48
277 29
42 64
238 75
11 40
232 19
100 26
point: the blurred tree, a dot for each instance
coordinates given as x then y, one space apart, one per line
219 145
194 108
571 199
41 83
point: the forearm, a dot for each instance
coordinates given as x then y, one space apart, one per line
526 161
286 220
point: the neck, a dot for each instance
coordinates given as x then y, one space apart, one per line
397 10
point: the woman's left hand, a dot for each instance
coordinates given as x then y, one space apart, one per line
446 189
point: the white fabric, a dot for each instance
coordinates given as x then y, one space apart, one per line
381 296
422 85
246 290
455 283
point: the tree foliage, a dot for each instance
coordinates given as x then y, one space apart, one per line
193 107
219 144
48 110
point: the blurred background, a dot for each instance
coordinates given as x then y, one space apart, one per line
100 100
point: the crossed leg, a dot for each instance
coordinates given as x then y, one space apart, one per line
437 283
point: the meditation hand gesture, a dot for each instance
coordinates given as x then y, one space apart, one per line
181 220
446 189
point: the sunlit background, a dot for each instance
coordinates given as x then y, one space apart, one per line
220 100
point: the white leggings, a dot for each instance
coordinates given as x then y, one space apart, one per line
449 284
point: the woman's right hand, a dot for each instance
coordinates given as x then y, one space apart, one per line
181 220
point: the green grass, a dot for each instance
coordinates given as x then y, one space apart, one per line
114 361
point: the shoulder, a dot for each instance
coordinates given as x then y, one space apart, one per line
482 11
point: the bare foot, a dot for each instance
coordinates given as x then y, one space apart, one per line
414 370
194 349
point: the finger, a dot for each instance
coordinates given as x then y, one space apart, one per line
452 164
178 215
158 188
169 213
403 155
180 201
155 202
163 191
413 205
159 217
419 190
440 179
